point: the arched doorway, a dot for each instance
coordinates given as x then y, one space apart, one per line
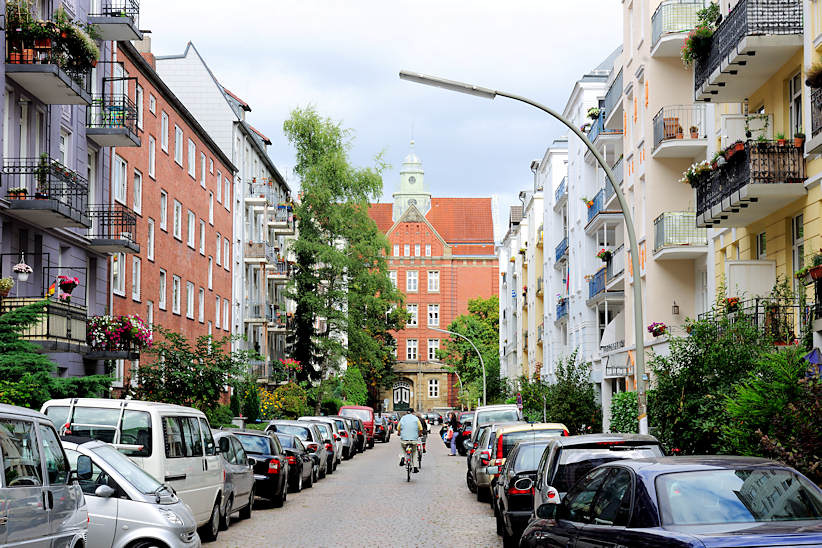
402 393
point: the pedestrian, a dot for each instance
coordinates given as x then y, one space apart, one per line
454 424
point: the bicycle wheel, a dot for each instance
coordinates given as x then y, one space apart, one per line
419 457
408 468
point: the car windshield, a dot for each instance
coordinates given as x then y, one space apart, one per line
497 416
299 431
362 414
575 463
528 456
141 480
254 444
736 496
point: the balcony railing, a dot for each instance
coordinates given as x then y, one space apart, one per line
596 284
783 321
758 164
540 286
816 111
53 193
111 120
674 17
619 172
749 18
117 20
613 346
46 69
113 228
261 250
540 332
598 204
62 324
562 190
598 128
562 309
262 191
613 99
616 265
561 249
677 229
680 123
255 310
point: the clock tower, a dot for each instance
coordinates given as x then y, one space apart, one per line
412 191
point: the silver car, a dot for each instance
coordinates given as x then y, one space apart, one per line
334 436
238 484
127 506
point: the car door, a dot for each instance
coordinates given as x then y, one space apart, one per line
245 476
61 496
23 512
212 459
184 470
575 510
102 511
610 512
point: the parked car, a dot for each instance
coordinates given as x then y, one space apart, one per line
336 438
495 414
683 501
126 506
330 449
364 414
359 438
300 463
311 438
40 503
238 486
514 489
479 458
271 469
347 436
382 430
568 459
171 442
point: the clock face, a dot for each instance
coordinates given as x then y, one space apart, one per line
412 179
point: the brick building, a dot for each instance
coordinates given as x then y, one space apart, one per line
442 255
179 185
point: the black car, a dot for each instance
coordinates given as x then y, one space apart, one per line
270 464
683 502
514 489
382 430
569 458
311 437
300 463
359 430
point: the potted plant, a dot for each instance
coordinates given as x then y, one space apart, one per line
694 132
604 255
780 139
799 139
22 270
67 283
657 329
761 143
588 203
5 286
593 113
731 304
812 272
42 173
680 133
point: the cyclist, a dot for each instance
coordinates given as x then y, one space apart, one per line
409 430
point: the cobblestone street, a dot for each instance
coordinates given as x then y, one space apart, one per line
367 502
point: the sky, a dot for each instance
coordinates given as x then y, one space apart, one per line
343 57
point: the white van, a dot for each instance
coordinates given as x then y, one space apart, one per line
172 443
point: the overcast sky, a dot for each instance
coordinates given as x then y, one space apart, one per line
343 57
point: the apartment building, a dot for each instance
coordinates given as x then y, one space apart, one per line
57 215
181 274
513 348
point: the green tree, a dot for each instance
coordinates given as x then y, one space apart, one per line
26 374
354 388
624 413
251 404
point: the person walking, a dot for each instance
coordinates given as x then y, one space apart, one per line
454 424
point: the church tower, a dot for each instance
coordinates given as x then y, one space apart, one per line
412 191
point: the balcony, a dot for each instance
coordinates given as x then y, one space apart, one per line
750 45
613 104
61 328
46 193
814 143
597 291
261 192
618 169
562 310
111 121
754 183
258 252
258 312
46 71
279 271
279 323
561 251
540 333
117 20
258 369
599 216
676 236
781 321
540 236
113 229
615 269
670 24
561 194
680 132
540 286
598 130
282 220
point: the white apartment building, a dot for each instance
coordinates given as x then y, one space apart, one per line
512 363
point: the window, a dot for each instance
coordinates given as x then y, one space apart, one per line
150 313
433 315
163 210
202 237
226 315
164 131
411 349
178 220
56 464
227 194
396 250
433 388
406 250
211 209
152 104
217 313
210 272
795 89
226 254
202 169
152 157
411 280
433 346
138 192
201 305
65 147
139 97
190 300
192 226
211 168
210 328
178 145
120 183
427 250
135 278
613 503
798 244
192 158
219 244
21 454
118 274
392 275
579 498
412 315
433 281
150 239
175 294
416 250
761 248
219 188
161 301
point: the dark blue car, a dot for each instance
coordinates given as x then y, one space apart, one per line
683 501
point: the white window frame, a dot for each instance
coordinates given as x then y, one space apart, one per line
210 272
211 208
433 346
218 253
762 246
152 157
406 250
201 305
136 275
417 250
175 294
152 103
227 195
392 275
162 303
219 188
192 159
202 237
226 254
150 313
411 349
164 132
120 180
226 315
202 169
138 192
433 315
427 250
178 145
413 315
217 313
139 99
192 227
164 210
177 226
150 239
412 281
118 274
396 250
433 281
190 300
211 166
433 388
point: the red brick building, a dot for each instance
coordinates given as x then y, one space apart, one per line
179 184
442 255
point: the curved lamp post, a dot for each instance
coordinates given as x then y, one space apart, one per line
639 336
482 363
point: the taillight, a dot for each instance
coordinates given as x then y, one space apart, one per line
485 457
337 438
344 434
515 491
223 475
499 447
291 460
565 433
273 466
312 447
359 433
329 446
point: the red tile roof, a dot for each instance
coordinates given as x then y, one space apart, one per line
265 139
455 219
381 213
243 104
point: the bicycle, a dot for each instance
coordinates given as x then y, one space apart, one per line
408 462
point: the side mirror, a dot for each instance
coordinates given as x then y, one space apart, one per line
104 491
492 470
547 511
84 467
224 446
251 461
467 445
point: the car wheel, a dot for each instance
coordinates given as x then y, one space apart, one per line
210 530
371 444
330 468
309 483
225 517
500 524
323 471
279 500
482 495
469 479
509 541
245 513
298 485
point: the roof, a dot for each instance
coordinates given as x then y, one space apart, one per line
662 465
524 427
265 139
382 215
15 410
245 106
598 438
114 403
463 220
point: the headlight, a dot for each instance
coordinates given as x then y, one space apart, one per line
171 517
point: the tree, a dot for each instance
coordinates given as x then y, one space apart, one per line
354 389
251 404
27 375
624 413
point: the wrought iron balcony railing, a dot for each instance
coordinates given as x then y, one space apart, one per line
561 249
118 8
113 223
596 284
25 49
261 190
674 17
783 321
43 178
677 229
112 111
679 123
62 323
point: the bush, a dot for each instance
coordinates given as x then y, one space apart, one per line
219 416
354 387
251 404
624 413
290 401
331 406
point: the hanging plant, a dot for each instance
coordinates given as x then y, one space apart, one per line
604 255
657 329
594 112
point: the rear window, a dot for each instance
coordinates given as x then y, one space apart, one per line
287 441
362 414
498 416
575 463
467 419
299 431
340 424
325 430
510 439
528 457
100 423
255 444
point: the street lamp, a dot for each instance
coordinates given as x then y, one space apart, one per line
482 363
639 336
